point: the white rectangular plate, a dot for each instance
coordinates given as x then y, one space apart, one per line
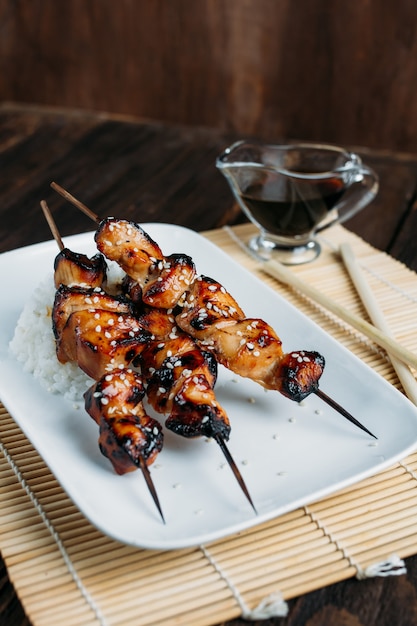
289 454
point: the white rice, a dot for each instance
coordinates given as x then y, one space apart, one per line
33 344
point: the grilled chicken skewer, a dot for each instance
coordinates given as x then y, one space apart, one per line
163 283
180 379
249 347
98 332
128 437
188 400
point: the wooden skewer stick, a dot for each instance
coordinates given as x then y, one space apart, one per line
404 374
142 462
235 469
65 194
52 225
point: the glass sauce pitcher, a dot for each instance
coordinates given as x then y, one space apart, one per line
293 191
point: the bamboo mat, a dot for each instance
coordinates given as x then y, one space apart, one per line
65 571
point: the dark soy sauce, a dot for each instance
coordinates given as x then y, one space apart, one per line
292 207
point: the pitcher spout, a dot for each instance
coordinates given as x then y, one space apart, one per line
240 154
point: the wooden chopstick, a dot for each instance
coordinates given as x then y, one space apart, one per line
286 276
370 303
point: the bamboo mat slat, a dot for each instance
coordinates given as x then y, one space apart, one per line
66 571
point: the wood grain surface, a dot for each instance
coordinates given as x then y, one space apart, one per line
326 70
156 172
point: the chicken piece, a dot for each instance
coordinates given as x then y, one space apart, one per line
168 280
158 323
73 268
249 347
70 300
298 374
163 280
180 379
101 342
130 246
126 431
212 316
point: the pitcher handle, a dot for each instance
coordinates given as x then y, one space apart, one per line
363 185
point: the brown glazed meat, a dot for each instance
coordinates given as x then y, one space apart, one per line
162 279
207 312
72 268
247 346
126 431
180 379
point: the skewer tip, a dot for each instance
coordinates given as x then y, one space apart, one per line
235 469
337 407
148 478
51 223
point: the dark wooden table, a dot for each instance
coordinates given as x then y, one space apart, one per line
147 171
